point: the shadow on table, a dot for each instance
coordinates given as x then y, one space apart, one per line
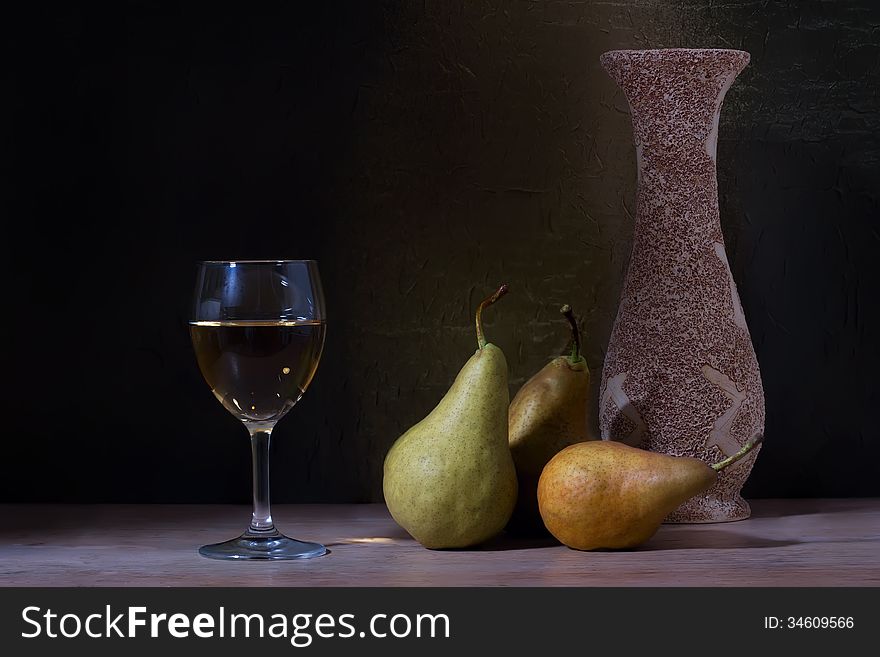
505 541
670 537
710 539
780 508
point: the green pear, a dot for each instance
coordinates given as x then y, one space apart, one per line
548 414
450 480
605 494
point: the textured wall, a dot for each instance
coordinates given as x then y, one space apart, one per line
423 152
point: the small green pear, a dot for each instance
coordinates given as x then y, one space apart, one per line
605 494
450 480
548 414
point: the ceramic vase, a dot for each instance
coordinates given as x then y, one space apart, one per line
680 375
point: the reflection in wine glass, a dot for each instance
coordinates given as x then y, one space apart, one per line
258 331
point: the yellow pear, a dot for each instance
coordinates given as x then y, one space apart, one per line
450 480
548 414
605 494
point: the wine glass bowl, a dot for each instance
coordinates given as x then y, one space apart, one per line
258 330
258 370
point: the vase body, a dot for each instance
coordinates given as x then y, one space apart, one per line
680 373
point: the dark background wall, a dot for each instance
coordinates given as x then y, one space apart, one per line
422 152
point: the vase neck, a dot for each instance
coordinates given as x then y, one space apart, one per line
675 97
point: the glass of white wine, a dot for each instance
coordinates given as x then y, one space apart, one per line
258 331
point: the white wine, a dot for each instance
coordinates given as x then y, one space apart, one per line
258 369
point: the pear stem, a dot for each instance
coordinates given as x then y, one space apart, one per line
730 460
575 333
488 301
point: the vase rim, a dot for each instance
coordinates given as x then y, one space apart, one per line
735 60
672 53
706 51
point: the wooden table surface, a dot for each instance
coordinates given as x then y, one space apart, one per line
785 543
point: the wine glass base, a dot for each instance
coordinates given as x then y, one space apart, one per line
274 546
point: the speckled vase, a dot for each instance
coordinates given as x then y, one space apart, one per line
680 375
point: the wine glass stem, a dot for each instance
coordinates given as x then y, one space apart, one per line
261 521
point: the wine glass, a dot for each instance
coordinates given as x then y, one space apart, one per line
258 331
